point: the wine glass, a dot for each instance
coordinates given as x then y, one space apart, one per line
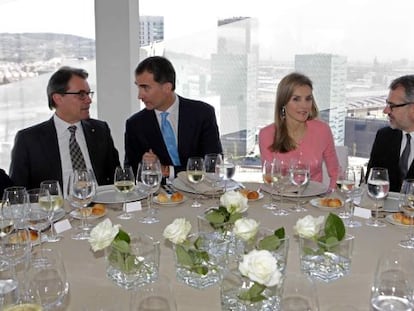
82 190
212 162
279 176
15 206
151 177
299 293
195 174
267 171
345 185
394 281
406 206
37 218
299 176
47 275
124 182
51 204
8 284
227 170
378 187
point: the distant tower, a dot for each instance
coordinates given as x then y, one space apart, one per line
234 79
328 74
151 29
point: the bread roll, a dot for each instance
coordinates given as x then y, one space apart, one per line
177 197
98 209
253 195
162 198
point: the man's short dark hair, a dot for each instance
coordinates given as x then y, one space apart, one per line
58 82
160 67
407 82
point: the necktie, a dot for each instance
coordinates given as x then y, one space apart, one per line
169 138
78 162
404 156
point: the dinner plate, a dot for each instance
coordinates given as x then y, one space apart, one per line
155 200
390 203
182 186
391 220
314 188
317 203
107 194
77 215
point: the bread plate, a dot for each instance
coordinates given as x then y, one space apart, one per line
169 202
317 202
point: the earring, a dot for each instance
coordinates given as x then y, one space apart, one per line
283 112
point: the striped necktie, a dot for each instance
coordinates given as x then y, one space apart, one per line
169 138
78 162
404 157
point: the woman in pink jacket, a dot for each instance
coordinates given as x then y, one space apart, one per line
297 133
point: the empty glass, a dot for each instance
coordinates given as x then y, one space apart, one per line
14 206
51 204
299 294
299 176
151 177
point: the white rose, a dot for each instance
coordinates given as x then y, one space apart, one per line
103 234
234 202
245 228
308 226
177 231
261 267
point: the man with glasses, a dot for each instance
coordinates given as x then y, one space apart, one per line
393 145
67 141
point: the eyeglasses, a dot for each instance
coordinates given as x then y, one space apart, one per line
81 94
392 105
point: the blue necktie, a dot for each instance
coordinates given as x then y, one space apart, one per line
169 138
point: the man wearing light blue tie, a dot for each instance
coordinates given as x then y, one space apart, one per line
170 127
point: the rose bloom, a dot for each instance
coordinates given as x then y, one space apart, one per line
103 234
245 228
308 226
177 231
234 202
261 267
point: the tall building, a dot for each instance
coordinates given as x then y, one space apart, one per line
151 29
234 79
328 74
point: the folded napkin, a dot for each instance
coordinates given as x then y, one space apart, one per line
204 187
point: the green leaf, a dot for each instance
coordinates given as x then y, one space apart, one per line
254 293
215 217
200 270
123 236
121 246
280 233
234 217
334 227
183 257
270 243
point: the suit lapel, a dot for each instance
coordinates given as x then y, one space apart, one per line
49 141
89 131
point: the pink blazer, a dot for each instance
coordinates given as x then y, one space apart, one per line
316 146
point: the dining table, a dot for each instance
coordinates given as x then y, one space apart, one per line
91 290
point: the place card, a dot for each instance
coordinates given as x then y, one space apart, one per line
362 212
133 206
62 226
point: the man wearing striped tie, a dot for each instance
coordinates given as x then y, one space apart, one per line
170 127
69 140
393 145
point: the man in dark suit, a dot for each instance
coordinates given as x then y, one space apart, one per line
193 123
5 182
42 151
393 145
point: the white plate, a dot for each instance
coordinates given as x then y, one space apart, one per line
107 194
155 200
390 203
317 203
180 185
77 215
261 195
391 220
314 188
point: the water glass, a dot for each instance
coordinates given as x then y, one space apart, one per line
326 262
393 285
150 172
51 203
155 296
299 294
406 206
15 206
345 184
378 187
195 174
299 176
8 285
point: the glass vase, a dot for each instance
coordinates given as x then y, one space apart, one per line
326 262
233 284
135 266
201 266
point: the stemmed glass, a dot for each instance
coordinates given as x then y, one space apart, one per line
15 206
212 162
124 182
267 175
37 218
299 176
51 204
82 190
195 174
378 187
394 282
279 176
151 176
407 207
345 185
227 170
